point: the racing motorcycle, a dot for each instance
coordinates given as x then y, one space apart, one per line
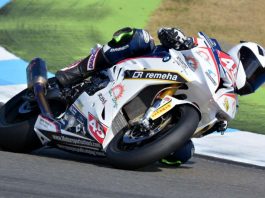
134 113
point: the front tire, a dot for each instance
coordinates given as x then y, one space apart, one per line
160 146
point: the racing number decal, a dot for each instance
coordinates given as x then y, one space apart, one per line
96 129
228 63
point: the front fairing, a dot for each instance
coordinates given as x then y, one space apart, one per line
213 99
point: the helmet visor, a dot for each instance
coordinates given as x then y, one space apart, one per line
255 73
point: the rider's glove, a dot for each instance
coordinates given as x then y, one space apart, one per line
171 37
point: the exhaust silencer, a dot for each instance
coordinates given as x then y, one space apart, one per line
37 80
36 73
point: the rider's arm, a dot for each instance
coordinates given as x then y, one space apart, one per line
128 42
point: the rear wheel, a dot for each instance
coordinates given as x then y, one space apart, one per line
140 153
17 120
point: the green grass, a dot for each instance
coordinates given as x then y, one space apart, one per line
62 31
251 114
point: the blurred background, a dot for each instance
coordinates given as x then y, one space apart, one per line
62 32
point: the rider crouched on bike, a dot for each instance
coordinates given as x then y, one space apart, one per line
131 42
126 43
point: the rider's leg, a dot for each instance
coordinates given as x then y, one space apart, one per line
125 43
80 70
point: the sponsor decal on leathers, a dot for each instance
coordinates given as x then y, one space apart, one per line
92 59
119 48
160 75
146 36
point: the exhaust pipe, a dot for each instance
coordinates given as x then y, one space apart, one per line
37 80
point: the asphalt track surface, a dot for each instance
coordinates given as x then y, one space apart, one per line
53 173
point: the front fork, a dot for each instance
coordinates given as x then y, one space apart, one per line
161 105
169 91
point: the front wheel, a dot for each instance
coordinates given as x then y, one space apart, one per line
132 156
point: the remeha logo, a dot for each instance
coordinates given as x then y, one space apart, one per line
154 75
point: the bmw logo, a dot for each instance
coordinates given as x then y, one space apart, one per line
166 58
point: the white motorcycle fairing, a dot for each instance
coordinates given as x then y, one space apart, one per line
89 124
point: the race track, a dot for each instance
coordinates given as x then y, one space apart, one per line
53 173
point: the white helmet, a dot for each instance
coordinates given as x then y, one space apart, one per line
250 60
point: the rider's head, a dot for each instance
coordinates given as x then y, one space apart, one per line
250 59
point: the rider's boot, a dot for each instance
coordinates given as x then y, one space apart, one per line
180 156
80 70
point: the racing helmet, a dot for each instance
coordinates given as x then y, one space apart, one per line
250 60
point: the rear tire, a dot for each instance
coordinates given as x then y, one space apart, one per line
159 147
17 130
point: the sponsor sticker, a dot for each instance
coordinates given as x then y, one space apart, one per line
82 150
73 110
171 76
181 62
47 124
102 98
226 104
75 141
210 74
192 63
96 129
116 93
79 105
161 110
